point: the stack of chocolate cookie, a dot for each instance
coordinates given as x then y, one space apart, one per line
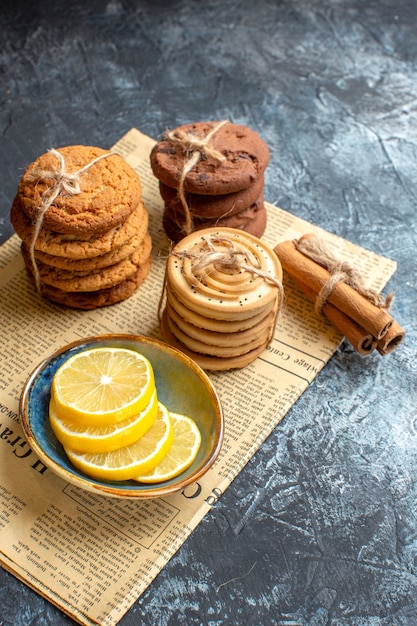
211 174
84 227
223 292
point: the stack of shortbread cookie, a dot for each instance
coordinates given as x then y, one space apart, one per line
84 227
223 292
211 174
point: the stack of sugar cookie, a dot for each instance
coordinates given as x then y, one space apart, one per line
211 174
84 227
223 293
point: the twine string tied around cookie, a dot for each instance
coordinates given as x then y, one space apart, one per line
194 148
229 258
340 271
63 184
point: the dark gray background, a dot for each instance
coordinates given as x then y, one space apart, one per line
320 528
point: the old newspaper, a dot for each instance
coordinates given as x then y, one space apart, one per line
93 556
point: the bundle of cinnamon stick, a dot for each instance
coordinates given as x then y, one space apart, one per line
360 314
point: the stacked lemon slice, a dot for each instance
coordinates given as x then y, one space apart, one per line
105 411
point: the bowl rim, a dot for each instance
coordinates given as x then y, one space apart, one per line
103 488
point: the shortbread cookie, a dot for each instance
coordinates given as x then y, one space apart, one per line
109 190
223 292
93 280
252 220
215 325
207 362
246 157
219 292
200 347
220 343
213 207
80 246
96 299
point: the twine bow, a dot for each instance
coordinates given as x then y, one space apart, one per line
318 251
63 184
230 258
195 148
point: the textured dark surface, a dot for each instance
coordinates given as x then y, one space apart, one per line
321 527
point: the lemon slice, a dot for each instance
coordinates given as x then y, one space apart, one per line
103 386
84 438
184 449
138 458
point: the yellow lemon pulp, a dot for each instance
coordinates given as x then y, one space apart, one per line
185 446
129 461
84 438
102 386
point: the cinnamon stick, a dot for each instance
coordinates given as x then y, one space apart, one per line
363 342
373 319
391 339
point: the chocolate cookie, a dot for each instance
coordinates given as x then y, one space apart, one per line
108 190
242 157
213 207
252 220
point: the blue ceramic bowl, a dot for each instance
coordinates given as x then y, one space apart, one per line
181 385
